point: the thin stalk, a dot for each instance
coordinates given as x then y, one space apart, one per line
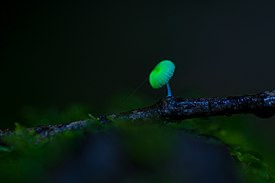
169 92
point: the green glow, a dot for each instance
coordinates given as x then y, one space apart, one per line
161 74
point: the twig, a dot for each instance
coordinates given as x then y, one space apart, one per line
177 109
262 105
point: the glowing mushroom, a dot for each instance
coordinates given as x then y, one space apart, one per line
161 74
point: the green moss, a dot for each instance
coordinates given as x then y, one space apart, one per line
27 156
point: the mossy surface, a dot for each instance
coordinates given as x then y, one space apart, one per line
145 151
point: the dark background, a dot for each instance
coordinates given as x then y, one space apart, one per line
55 54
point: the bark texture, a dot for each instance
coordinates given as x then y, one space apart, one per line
176 109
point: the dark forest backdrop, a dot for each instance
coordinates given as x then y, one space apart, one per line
55 54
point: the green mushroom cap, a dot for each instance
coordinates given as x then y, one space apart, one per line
161 74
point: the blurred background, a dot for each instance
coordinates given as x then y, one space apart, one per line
60 53
89 56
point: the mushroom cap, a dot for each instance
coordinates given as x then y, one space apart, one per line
161 74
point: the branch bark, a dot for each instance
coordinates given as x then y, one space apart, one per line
262 105
177 109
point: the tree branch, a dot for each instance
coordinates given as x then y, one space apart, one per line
262 105
177 109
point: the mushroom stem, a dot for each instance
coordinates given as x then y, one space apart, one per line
169 92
